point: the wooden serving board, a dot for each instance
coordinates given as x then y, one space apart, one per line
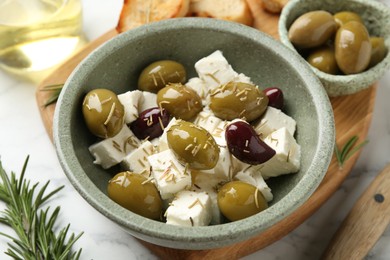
352 117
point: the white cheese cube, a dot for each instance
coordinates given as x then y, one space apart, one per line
219 133
243 78
272 120
207 120
215 70
199 86
287 157
131 100
253 176
149 101
224 168
111 151
137 160
163 141
170 176
189 208
209 184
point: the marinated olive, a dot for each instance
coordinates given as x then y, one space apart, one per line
103 113
160 73
378 50
324 59
238 100
150 123
245 145
353 48
135 193
238 200
275 97
344 17
193 145
312 29
180 101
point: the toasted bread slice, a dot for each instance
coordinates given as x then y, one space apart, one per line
274 6
232 10
138 12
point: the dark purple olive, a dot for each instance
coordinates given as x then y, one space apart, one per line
150 123
245 145
275 97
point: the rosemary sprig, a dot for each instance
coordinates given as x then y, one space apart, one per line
34 227
56 90
349 149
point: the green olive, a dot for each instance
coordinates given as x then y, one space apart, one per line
103 113
238 200
378 50
312 29
135 193
324 59
353 48
180 101
160 73
193 145
238 100
344 17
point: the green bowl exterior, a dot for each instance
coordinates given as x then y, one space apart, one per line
116 66
376 17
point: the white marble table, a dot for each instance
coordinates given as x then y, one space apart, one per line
22 133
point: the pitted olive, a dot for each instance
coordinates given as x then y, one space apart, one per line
324 59
378 50
238 200
238 100
312 29
103 113
344 17
160 73
193 145
353 48
180 101
135 193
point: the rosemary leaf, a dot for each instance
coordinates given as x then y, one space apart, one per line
56 90
36 237
349 149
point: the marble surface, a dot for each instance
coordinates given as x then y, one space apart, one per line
22 133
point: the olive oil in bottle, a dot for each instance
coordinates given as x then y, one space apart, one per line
37 35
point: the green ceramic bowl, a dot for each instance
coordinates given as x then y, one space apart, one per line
117 64
376 17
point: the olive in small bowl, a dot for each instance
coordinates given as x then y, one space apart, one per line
376 18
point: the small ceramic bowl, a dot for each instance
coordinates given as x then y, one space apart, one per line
117 64
376 17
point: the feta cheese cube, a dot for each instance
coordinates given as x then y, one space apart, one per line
207 120
170 176
131 100
272 120
253 176
199 86
224 168
204 182
243 78
137 160
149 101
215 70
189 208
219 133
111 151
163 141
287 157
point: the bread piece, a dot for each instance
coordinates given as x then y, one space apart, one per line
274 6
138 12
232 10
